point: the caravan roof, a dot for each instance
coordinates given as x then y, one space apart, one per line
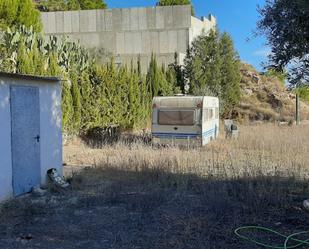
182 101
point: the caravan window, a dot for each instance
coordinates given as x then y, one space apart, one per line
181 117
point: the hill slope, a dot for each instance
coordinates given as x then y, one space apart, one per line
265 98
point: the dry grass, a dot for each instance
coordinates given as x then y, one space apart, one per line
139 196
262 150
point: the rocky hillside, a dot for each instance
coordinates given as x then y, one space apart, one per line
265 98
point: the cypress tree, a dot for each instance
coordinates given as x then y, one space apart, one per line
230 72
90 114
153 77
178 72
24 61
67 107
76 102
53 68
139 66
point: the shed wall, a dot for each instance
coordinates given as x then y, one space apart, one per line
6 190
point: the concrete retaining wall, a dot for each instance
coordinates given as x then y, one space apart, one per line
130 32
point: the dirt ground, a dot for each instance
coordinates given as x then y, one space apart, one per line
116 200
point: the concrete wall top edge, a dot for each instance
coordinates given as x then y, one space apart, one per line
129 19
111 9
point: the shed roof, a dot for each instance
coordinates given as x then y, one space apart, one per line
29 77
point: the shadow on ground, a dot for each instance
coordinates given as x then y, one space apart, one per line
118 208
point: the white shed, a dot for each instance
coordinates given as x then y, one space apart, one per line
31 132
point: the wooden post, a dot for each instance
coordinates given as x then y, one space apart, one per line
297 109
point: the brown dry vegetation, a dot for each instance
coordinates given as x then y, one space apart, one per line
265 98
139 196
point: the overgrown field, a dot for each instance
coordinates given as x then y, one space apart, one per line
133 195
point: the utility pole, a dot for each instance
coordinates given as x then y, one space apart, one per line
297 109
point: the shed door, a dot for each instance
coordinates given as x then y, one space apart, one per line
25 116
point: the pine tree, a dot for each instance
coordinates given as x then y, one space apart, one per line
212 67
17 12
8 12
203 65
73 5
92 4
27 15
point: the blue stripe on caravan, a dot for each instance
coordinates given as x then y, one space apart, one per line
182 135
176 135
209 132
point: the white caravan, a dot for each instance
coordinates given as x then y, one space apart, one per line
185 120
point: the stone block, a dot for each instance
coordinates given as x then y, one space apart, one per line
116 17
137 42
67 21
163 38
129 46
182 40
134 19
154 42
108 17
120 43
145 61
151 18
125 19
52 22
182 16
100 20
90 40
168 17
142 18
44 19
172 41
92 20
107 41
75 21
83 21
74 37
146 43
160 17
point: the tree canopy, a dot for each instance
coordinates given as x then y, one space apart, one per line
212 67
61 5
286 26
18 13
176 2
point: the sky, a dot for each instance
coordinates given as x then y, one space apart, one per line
237 17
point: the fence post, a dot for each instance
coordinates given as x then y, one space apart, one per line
297 109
